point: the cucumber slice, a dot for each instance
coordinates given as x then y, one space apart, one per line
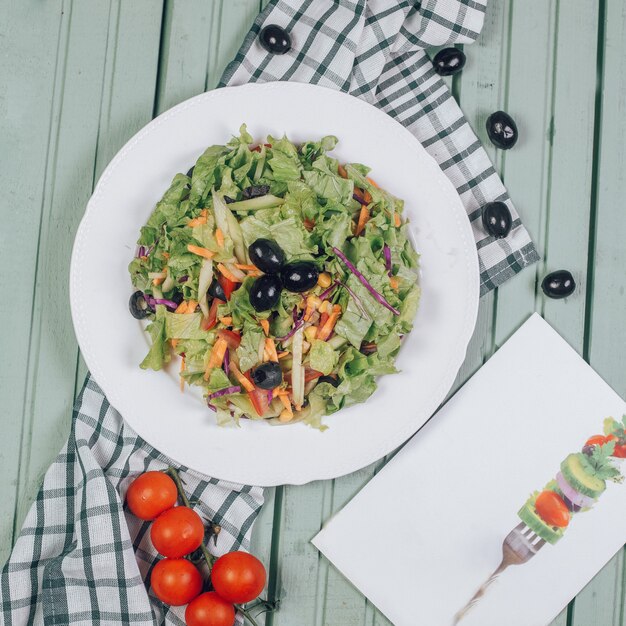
528 515
573 471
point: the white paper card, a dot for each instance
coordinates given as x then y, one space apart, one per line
446 502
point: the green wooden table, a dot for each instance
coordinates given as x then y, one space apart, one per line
78 78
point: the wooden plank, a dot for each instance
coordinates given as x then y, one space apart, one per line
89 118
32 39
603 600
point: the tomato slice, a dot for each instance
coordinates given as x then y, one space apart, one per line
552 509
596 440
227 285
620 451
310 374
258 397
231 337
209 322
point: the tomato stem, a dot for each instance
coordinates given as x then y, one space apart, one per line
247 615
171 471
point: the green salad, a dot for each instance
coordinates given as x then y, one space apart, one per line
280 279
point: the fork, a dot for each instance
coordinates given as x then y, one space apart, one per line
519 546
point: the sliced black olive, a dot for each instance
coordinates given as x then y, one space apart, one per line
190 172
275 39
502 130
177 297
268 375
267 255
216 290
331 380
449 61
265 292
559 284
299 276
497 219
138 306
255 191
229 200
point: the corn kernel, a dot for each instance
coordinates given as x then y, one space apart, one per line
323 306
310 333
313 302
285 416
323 280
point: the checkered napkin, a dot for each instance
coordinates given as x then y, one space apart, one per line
80 558
374 49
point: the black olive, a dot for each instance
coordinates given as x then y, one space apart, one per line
275 39
265 292
559 284
216 290
177 297
449 61
267 255
255 191
331 380
502 130
268 375
299 276
138 306
190 172
497 219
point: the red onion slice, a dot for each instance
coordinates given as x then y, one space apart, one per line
387 255
572 495
220 393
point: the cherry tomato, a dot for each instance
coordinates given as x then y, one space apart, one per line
176 581
150 494
227 285
177 532
258 397
597 440
238 577
209 609
552 509
232 338
209 322
310 374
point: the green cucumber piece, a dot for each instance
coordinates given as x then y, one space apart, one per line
575 474
529 516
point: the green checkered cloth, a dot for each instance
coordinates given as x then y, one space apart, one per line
375 50
81 558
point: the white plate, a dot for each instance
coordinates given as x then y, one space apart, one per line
179 425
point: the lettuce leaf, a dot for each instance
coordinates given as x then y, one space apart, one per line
159 353
322 357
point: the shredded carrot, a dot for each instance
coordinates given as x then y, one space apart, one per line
225 272
174 343
143 258
285 400
279 391
341 170
219 237
182 369
393 281
367 196
166 255
364 215
158 281
309 224
197 221
372 182
245 383
283 354
265 325
327 328
396 220
217 356
207 254
182 307
227 321
256 273
270 346
191 306
246 268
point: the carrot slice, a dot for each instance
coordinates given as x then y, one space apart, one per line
217 356
227 320
341 170
182 307
367 196
285 400
270 346
283 354
396 220
364 215
191 306
327 328
265 325
246 268
203 252
174 343
393 281
157 281
226 272
219 237
245 383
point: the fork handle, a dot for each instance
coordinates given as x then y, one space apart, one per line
480 593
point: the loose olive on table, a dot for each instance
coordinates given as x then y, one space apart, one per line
502 130
275 39
449 61
497 219
559 284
